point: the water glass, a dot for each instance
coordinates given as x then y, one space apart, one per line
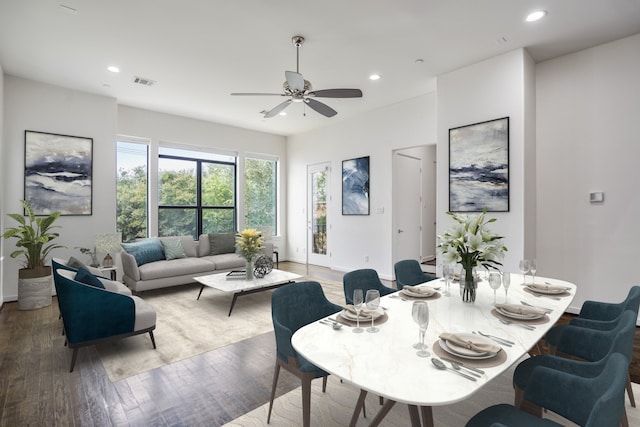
494 282
358 300
524 266
420 315
447 272
372 301
506 281
533 268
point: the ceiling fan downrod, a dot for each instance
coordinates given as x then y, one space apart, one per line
297 42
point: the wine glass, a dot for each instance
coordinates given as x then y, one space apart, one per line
420 314
358 300
447 272
524 266
494 283
506 281
533 268
372 300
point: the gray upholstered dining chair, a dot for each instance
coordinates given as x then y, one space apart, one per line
408 272
292 307
594 401
364 279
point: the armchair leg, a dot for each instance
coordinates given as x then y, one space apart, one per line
306 400
73 358
276 372
153 340
324 384
630 391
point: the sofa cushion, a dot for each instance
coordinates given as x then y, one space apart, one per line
173 249
222 243
226 261
83 276
145 251
177 267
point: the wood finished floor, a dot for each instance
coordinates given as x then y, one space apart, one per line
209 389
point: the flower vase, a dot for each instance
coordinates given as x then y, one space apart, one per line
467 285
249 270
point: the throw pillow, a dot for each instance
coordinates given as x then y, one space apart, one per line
76 263
173 249
223 243
145 251
83 276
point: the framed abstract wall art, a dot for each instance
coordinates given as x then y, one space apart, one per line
479 167
355 186
58 173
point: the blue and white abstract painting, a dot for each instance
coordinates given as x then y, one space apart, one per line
355 186
58 173
479 167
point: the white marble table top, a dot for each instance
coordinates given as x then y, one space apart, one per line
385 363
222 283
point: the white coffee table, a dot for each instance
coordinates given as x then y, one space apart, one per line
239 287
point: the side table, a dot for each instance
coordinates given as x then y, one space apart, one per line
112 271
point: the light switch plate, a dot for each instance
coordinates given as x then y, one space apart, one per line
596 197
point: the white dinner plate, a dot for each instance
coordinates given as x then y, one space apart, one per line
410 293
465 352
351 316
541 290
532 316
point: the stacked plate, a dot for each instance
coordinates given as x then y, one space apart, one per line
352 316
466 353
419 292
548 289
528 315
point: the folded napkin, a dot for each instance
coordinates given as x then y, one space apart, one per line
547 287
520 309
479 346
364 312
422 290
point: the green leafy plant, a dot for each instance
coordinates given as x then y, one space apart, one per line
34 236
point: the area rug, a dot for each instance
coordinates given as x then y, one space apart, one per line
186 327
335 407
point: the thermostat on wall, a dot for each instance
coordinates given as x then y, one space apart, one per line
596 197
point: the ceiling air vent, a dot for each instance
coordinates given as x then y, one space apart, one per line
143 81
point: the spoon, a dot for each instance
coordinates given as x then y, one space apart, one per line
457 367
440 365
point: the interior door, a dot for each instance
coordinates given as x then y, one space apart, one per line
407 195
318 214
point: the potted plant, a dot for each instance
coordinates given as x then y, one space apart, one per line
34 236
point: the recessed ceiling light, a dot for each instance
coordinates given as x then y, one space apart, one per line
374 77
113 69
283 113
536 16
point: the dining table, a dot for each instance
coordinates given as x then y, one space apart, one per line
385 363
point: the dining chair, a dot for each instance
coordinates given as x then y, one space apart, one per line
591 344
596 401
408 272
292 307
364 279
619 341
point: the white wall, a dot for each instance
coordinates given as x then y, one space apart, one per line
484 91
29 105
588 108
375 134
3 180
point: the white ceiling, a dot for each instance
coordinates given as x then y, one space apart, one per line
199 51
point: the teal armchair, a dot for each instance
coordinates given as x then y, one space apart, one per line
408 272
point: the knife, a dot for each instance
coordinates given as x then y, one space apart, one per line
471 368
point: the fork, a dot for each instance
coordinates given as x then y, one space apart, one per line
508 322
548 310
499 340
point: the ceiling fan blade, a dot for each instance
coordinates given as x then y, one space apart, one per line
321 108
276 110
259 94
295 81
337 93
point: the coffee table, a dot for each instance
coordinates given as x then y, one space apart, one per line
239 287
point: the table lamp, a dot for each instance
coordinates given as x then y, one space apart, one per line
108 243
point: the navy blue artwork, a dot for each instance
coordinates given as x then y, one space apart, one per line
58 173
479 167
355 186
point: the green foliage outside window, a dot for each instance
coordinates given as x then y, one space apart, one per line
260 194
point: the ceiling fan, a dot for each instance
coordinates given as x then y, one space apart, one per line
300 90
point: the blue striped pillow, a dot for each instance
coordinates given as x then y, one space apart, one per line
145 251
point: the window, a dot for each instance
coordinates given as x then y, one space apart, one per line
196 193
131 190
260 198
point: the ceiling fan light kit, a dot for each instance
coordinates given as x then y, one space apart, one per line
300 90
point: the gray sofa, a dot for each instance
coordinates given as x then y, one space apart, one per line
210 254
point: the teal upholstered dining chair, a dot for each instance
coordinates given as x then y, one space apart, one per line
598 347
92 314
408 272
595 401
292 307
364 279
